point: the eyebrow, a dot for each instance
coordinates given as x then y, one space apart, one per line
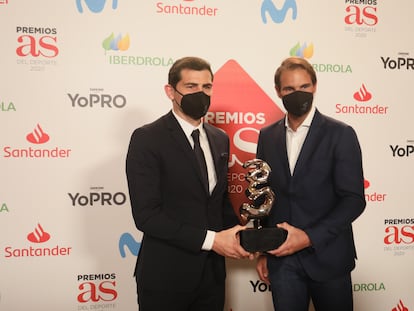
195 84
300 86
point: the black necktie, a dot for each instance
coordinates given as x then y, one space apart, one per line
200 156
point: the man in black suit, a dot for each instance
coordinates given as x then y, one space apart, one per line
318 180
183 211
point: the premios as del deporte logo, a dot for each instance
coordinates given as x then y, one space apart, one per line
361 17
37 47
399 235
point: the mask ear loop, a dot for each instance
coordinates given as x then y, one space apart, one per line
179 105
178 91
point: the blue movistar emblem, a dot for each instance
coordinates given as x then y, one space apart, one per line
128 240
278 16
95 6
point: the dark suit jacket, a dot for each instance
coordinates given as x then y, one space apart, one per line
170 205
324 195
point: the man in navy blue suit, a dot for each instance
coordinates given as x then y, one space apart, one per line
180 204
318 180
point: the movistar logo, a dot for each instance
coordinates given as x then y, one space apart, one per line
278 15
127 241
95 6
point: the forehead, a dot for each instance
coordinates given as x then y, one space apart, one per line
195 76
295 77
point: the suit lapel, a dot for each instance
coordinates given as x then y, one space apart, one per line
280 149
212 140
179 137
311 142
219 157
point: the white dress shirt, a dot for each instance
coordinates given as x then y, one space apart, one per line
295 139
211 171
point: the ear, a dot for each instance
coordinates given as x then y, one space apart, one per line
169 91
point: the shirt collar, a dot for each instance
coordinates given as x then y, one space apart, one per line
187 127
307 122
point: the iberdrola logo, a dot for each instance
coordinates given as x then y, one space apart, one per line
116 43
302 50
241 108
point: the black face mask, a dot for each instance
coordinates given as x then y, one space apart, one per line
298 103
195 105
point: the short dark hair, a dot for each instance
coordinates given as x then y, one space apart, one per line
293 63
190 62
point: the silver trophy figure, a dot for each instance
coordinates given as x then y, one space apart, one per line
259 239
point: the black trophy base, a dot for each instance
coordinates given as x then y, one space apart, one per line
263 239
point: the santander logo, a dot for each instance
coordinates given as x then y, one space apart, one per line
363 106
400 307
373 196
363 94
241 108
38 235
38 136
186 7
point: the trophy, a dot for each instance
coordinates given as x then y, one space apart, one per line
259 239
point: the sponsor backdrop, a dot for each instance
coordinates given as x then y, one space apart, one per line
78 76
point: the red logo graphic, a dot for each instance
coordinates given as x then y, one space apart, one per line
400 307
399 235
361 15
94 292
362 95
38 235
44 46
37 136
373 196
241 108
